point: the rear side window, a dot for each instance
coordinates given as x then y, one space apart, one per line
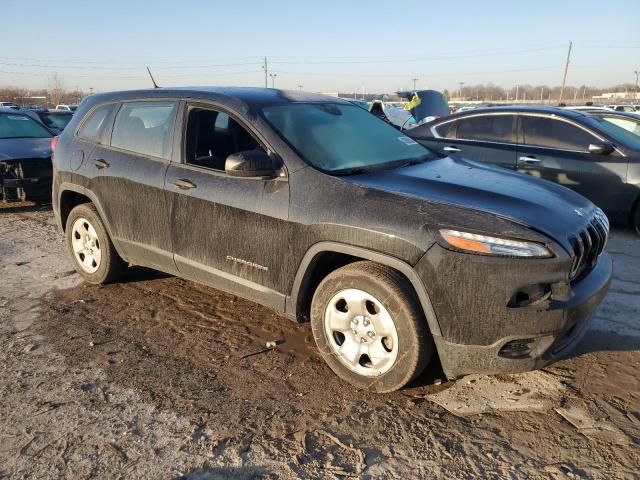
94 126
143 127
553 133
492 128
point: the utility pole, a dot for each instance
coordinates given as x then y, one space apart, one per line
414 80
564 77
266 73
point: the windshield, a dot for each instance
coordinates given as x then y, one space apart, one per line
21 126
341 138
612 126
55 120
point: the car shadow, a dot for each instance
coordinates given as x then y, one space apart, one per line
23 207
223 473
137 274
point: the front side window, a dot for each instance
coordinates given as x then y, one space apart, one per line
491 128
212 136
94 126
554 133
336 137
144 128
21 126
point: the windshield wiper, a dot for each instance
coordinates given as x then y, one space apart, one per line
352 171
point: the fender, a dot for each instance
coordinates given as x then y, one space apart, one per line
393 262
72 187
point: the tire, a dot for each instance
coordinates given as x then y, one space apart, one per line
97 261
370 328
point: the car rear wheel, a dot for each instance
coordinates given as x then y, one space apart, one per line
369 327
90 247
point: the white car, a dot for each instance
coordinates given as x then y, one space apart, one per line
8 105
67 108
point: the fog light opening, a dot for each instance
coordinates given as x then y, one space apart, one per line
520 348
531 295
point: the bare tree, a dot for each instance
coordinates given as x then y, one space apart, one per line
56 89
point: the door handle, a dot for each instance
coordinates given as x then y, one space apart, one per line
183 184
100 163
451 149
530 160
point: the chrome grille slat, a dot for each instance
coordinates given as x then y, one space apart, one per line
589 243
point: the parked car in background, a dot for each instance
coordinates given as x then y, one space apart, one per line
25 157
583 152
623 108
318 209
9 105
628 121
54 120
67 108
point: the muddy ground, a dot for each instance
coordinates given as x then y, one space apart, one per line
157 377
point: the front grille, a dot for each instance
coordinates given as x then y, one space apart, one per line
589 243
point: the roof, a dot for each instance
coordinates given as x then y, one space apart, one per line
251 96
521 109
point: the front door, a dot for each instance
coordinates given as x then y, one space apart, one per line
228 232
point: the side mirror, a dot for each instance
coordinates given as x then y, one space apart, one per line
601 148
252 163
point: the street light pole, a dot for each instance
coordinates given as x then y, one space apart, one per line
273 79
414 80
300 87
637 72
460 90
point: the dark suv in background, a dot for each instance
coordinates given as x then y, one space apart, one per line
316 208
584 152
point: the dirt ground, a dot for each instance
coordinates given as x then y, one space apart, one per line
157 377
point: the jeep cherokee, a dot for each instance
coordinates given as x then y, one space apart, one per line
319 210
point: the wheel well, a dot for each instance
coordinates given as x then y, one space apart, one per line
68 201
322 265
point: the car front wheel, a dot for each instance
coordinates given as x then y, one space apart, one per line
369 327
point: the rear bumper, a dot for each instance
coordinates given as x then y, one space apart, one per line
546 343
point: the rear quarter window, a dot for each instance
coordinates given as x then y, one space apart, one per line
94 126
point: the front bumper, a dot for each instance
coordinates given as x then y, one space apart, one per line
477 324
26 179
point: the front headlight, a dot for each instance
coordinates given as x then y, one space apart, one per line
475 243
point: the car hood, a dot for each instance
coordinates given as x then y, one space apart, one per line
544 206
16 148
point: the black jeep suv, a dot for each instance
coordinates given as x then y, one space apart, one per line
316 208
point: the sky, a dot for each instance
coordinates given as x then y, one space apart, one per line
322 45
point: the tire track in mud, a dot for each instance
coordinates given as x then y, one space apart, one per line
146 379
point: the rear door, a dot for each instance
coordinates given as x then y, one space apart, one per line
489 138
129 175
557 149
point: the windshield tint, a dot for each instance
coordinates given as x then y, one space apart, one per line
336 138
619 133
21 126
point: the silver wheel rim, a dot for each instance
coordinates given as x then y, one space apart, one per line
361 333
86 246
